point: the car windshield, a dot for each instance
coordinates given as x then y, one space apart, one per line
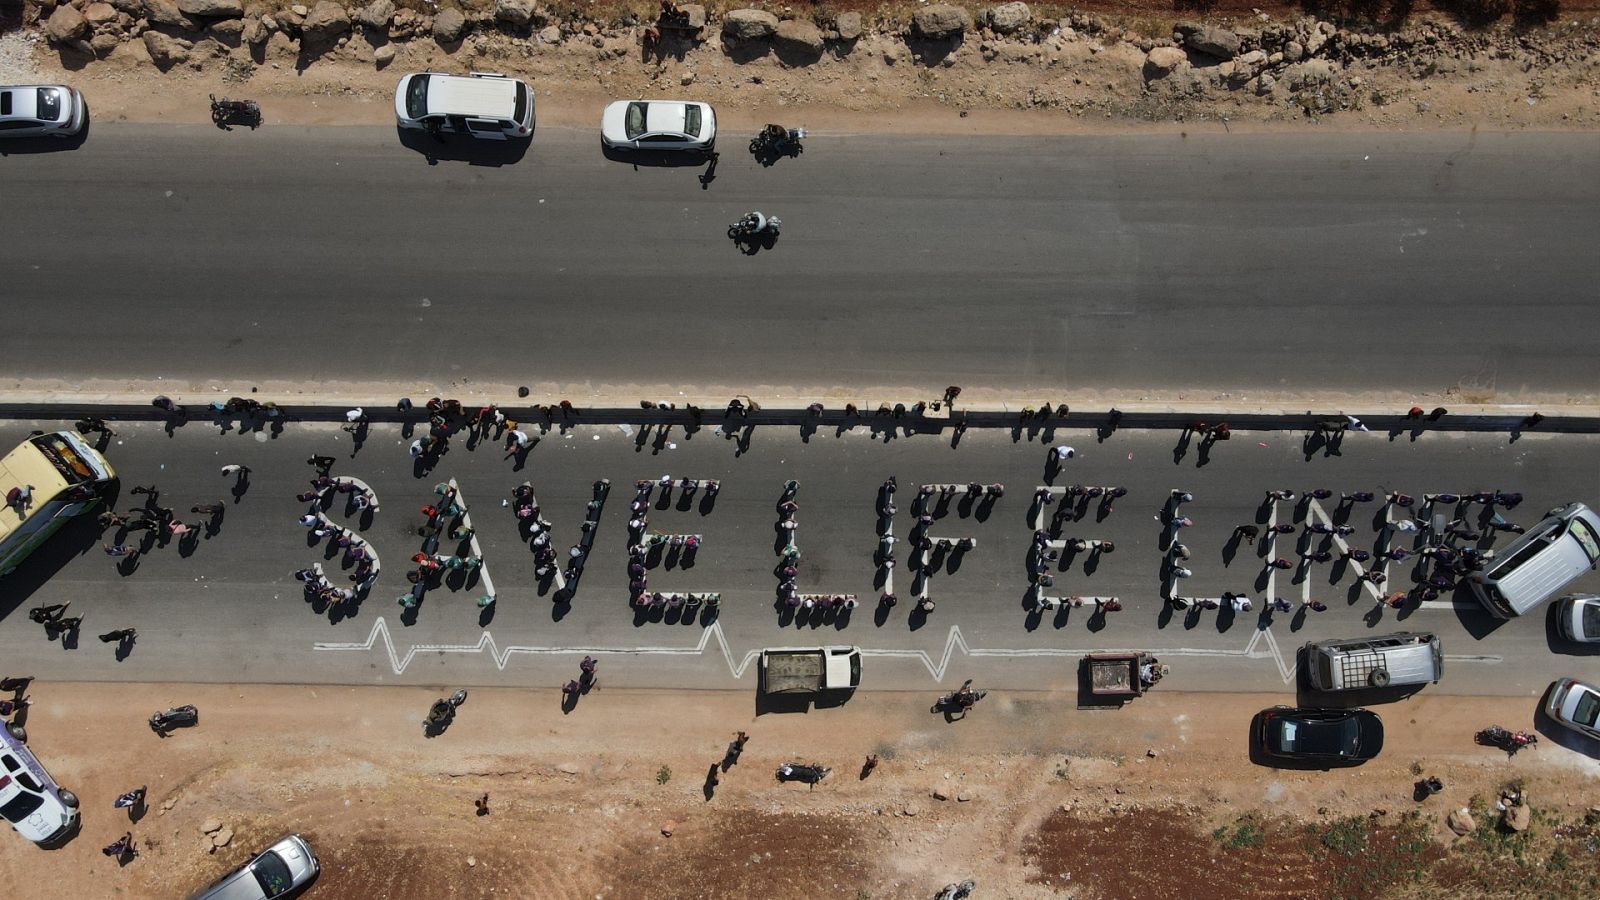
1587 537
634 125
691 120
49 104
1591 619
520 110
417 96
1322 738
272 873
20 807
5 103
1588 709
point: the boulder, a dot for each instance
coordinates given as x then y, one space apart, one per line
99 13
102 44
66 24
1009 18
1293 51
1461 822
1517 818
256 30
383 55
449 25
210 826
514 12
1253 58
550 34
133 8
848 25
212 9
166 12
325 23
694 15
165 51
940 22
749 25
222 838
1165 59
1217 42
799 37
376 15
1310 73
226 30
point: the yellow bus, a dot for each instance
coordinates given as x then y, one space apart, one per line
45 481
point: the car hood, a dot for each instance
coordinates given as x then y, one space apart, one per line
44 822
612 121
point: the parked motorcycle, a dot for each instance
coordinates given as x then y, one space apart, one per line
959 891
1509 741
444 710
775 141
754 224
226 113
177 717
959 700
809 774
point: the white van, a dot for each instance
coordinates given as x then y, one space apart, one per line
1540 563
1390 660
30 800
482 104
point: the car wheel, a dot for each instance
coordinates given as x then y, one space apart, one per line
17 731
68 798
1379 678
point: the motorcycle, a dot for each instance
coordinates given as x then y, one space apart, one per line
177 717
959 891
752 225
1509 741
959 700
809 774
444 710
775 141
226 113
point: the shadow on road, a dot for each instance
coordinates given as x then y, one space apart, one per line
460 148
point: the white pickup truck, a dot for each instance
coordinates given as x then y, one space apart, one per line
794 670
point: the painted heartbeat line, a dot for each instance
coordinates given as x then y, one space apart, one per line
737 666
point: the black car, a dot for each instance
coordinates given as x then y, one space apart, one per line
1331 736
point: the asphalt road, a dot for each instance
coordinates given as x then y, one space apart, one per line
228 610
1241 263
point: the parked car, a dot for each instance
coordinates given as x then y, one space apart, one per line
659 125
1578 617
38 808
482 105
35 110
1337 736
280 870
1575 704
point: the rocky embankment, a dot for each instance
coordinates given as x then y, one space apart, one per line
1296 67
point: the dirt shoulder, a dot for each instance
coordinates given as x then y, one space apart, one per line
1028 796
1040 70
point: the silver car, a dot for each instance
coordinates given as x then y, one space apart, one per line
1578 617
36 110
1574 704
284 868
659 125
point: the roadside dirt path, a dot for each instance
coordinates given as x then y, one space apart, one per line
1038 796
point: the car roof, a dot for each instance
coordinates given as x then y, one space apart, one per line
25 99
471 95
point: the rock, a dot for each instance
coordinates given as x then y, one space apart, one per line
1151 753
694 15
909 811
299 10
1461 822
212 9
686 79
939 794
166 12
164 51
1010 18
66 24
99 13
206 845
227 30
327 21
749 25
1253 58
102 44
668 827
848 25
472 862
963 797
383 55
516 12
799 37
1518 818
211 826
1310 73
940 22
376 15
221 838
568 768
256 31
449 25
1165 59
550 35
133 8
1293 51
1265 83
1216 42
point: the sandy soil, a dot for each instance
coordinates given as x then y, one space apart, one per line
1039 796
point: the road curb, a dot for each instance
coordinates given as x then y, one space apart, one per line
875 415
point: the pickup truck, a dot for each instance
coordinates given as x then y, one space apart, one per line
793 670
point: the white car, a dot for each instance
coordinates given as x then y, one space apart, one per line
1578 617
1576 705
30 800
34 110
659 125
482 105
279 871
